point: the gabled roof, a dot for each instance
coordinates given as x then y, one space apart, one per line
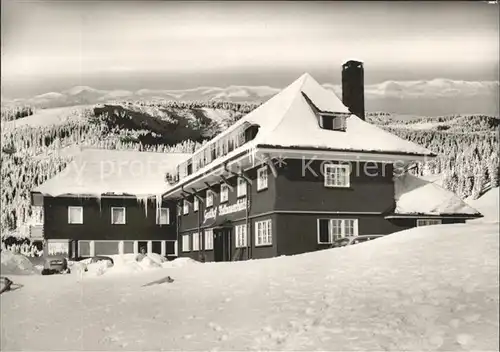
96 172
287 120
415 196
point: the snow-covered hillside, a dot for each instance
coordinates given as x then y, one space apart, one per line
429 288
47 117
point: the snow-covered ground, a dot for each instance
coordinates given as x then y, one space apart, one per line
429 288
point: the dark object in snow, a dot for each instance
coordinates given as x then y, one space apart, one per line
99 258
55 271
349 241
55 263
5 284
167 279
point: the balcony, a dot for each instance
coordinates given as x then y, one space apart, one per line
214 150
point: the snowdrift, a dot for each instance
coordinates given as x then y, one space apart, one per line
428 288
127 264
16 264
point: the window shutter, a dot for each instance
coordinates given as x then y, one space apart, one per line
323 236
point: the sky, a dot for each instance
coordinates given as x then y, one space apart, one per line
54 45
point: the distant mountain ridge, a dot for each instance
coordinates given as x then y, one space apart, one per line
425 97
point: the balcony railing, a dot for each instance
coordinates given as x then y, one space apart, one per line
214 150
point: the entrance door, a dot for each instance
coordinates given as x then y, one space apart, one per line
222 245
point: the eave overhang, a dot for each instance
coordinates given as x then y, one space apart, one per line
249 158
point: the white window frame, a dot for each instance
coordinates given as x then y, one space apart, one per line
332 236
262 178
241 189
209 239
264 233
429 222
196 241
124 216
196 204
185 207
332 175
186 243
210 198
158 217
80 221
91 248
224 193
240 236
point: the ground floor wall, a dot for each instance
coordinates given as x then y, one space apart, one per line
292 233
73 248
298 233
251 247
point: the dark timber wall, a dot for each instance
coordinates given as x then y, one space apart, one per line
97 220
298 233
304 190
262 204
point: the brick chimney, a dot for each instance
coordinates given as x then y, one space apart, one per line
353 87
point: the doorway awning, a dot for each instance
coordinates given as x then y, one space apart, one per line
222 223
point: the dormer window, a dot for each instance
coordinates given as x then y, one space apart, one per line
332 122
251 132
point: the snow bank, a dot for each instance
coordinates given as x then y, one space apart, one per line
488 204
415 195
16 264
180 262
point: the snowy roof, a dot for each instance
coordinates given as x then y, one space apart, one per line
96 172
417 196
287 120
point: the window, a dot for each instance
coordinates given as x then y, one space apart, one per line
262 178
336 123
196 204
240 234
337 175
185 207
83 248
210 198
179 210
128 247
75 215
241 191
332 229
118 215
106 247
224 193
209 239
427 222
163 217
263 233
196 241
185 243
171 248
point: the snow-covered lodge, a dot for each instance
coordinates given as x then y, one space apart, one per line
290 177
